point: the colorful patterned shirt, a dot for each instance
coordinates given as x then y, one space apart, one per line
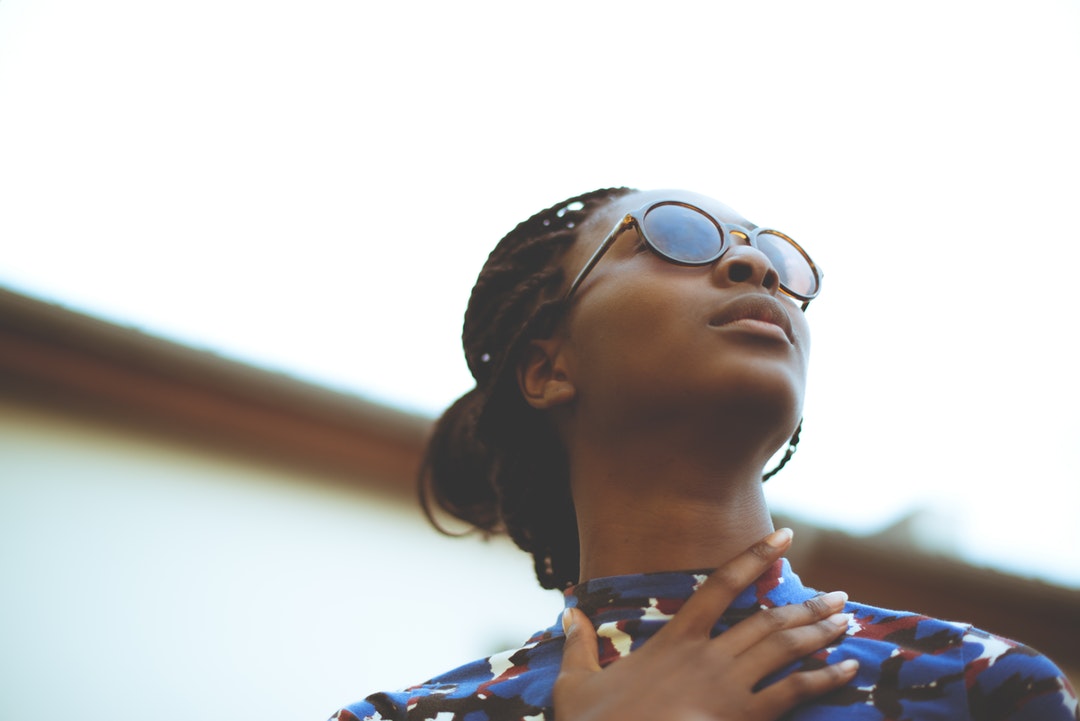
912 668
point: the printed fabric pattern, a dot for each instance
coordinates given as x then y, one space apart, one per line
912 668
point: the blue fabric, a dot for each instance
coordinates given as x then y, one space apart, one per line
912 668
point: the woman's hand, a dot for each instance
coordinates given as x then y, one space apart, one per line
681 674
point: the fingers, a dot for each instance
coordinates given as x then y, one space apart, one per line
785 646
580 661
803 686
581 652
725 583
749 632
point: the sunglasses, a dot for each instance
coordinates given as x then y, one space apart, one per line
684 234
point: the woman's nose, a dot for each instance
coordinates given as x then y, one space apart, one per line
743 264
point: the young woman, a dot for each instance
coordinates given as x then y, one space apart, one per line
639 356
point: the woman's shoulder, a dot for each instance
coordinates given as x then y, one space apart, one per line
908 659
512 684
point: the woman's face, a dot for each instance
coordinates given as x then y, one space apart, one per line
646 339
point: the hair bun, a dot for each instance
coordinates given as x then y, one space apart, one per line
493 461
455 475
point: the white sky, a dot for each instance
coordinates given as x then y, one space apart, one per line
313 187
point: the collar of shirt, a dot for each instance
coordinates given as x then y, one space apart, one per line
628 610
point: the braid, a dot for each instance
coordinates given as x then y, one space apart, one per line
493 461
788 453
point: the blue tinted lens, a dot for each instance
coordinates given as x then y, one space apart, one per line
796 273
682 234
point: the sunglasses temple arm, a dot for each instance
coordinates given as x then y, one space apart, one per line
608 242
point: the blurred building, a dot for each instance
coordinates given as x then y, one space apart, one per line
191 537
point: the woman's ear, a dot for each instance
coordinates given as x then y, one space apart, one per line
542 375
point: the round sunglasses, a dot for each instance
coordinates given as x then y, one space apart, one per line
684 234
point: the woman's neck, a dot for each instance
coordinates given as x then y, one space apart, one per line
651 507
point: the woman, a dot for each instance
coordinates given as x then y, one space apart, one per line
639 357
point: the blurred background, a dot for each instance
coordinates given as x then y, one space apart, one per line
237 240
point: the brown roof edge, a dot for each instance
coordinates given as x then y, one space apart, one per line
52 354
57 357
880 570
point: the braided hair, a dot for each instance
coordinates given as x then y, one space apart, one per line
493 461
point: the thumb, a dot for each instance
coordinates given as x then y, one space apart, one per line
580 652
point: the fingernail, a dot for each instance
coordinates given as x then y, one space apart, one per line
848 666
567 621
780 537
839 619
836 598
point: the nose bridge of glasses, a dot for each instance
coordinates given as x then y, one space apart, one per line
737 234
748 262
739 237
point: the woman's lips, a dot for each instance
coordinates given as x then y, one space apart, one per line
753 309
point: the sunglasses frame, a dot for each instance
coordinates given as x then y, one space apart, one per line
636 219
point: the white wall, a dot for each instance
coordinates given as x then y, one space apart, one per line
141 578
